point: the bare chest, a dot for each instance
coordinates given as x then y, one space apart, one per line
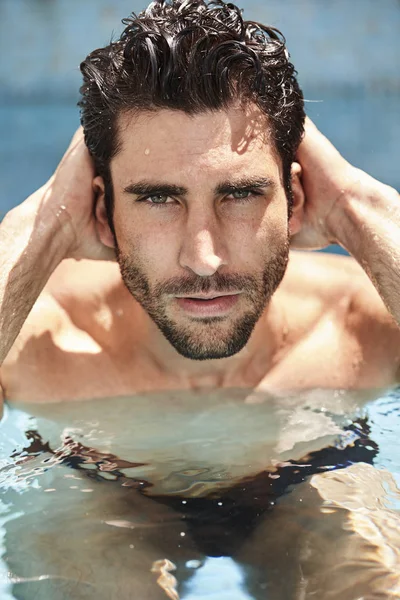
75 367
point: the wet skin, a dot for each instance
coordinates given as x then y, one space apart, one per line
89 337
200 210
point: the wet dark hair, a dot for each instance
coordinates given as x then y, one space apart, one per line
194 56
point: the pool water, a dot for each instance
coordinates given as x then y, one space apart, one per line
225 495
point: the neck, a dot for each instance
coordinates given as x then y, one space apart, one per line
244 369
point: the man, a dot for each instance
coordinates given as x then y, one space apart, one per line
197 184
196 176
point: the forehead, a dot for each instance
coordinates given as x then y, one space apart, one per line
171 142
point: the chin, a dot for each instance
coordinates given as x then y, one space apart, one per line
205 342
207 353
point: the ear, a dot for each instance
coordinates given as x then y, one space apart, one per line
102 225
296 219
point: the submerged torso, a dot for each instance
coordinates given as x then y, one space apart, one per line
194 444
76 346
109 487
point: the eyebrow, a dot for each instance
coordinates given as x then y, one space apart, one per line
247 183
148 188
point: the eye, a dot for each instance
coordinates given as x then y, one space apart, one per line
241 194
244 195
157 199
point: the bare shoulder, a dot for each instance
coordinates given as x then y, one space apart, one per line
35 339
335 280
83 280
77 284
327 275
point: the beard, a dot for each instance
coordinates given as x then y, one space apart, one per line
210 337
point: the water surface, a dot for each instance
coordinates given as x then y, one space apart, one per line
194 495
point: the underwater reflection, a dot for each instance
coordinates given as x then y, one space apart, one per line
198 497
216 579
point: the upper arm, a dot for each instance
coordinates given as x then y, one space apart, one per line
1 398
31 347
377 331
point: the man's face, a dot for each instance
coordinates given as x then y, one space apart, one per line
200 217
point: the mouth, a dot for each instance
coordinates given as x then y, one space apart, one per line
213 304
210 296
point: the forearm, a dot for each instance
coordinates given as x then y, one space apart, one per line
33 242
367 223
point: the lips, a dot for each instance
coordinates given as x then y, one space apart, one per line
205 298
207 306
211 296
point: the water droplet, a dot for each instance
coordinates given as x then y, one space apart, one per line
193 564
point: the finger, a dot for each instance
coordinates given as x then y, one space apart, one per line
77 150
97 252
315 145
78 135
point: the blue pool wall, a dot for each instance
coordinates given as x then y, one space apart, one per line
347 55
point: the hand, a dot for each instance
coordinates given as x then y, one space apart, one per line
70 192
326 179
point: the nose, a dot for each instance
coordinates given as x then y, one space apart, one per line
202 250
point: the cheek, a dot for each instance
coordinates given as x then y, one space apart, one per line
274 226
259 238
151 250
